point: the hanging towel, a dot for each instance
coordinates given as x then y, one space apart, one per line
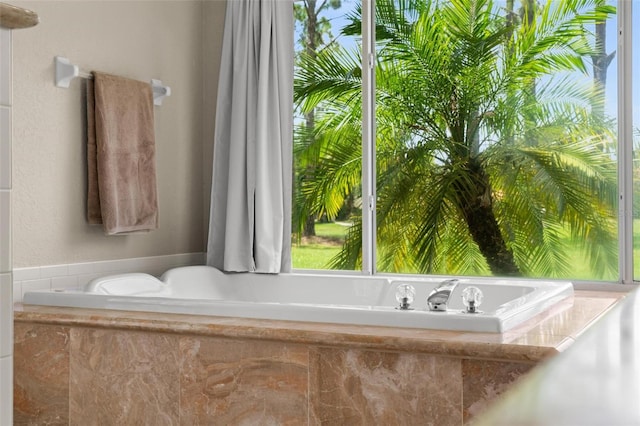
122 192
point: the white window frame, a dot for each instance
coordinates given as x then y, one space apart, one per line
368 138
625 142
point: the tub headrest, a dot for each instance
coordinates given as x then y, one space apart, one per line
198 273
127 285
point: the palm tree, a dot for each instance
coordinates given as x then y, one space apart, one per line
314 29
475 173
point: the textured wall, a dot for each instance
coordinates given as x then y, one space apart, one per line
136 39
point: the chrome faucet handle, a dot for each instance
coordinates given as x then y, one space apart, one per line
439 297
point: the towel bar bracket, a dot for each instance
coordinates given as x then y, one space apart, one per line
65 72
159 91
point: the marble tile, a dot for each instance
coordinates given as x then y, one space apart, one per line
152 368
483 381
356 387
41 374
570 317
542 338
248 382
122 377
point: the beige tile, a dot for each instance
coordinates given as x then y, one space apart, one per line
355 387
41 375
123 378
483 381
243 382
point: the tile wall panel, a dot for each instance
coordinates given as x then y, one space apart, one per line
6 285
5 66
6 323
5 147
5 230
6 390
75 275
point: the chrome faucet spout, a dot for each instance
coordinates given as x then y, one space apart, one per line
439 297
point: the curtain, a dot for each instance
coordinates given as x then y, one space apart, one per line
249 223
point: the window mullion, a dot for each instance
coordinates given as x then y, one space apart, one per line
625 143
368 139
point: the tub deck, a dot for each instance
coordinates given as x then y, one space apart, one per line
286 372
538 338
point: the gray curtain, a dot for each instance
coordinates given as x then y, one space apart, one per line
249 224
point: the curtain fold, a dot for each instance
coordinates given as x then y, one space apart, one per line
249 223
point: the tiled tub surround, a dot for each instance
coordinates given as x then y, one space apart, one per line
79 367
73 275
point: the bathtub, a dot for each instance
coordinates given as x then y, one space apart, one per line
350 299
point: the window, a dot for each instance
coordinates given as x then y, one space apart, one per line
492 139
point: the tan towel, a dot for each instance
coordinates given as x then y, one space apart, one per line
122 193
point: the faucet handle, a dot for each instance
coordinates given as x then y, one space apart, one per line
405 293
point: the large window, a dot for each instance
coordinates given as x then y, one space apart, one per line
465 137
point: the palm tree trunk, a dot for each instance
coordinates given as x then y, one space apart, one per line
476 204
309 229
528 18
601 61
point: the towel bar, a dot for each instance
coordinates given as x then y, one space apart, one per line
66 71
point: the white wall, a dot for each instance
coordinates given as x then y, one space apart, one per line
42 152
136 39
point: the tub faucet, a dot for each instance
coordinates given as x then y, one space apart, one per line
439 297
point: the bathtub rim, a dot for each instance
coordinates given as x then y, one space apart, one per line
550 293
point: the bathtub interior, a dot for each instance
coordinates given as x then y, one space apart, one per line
352 299
195 282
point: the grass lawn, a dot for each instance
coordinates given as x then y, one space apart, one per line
317 252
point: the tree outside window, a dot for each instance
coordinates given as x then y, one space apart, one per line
496 152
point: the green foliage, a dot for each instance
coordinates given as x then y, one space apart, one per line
476 118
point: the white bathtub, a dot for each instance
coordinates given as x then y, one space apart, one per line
350 299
